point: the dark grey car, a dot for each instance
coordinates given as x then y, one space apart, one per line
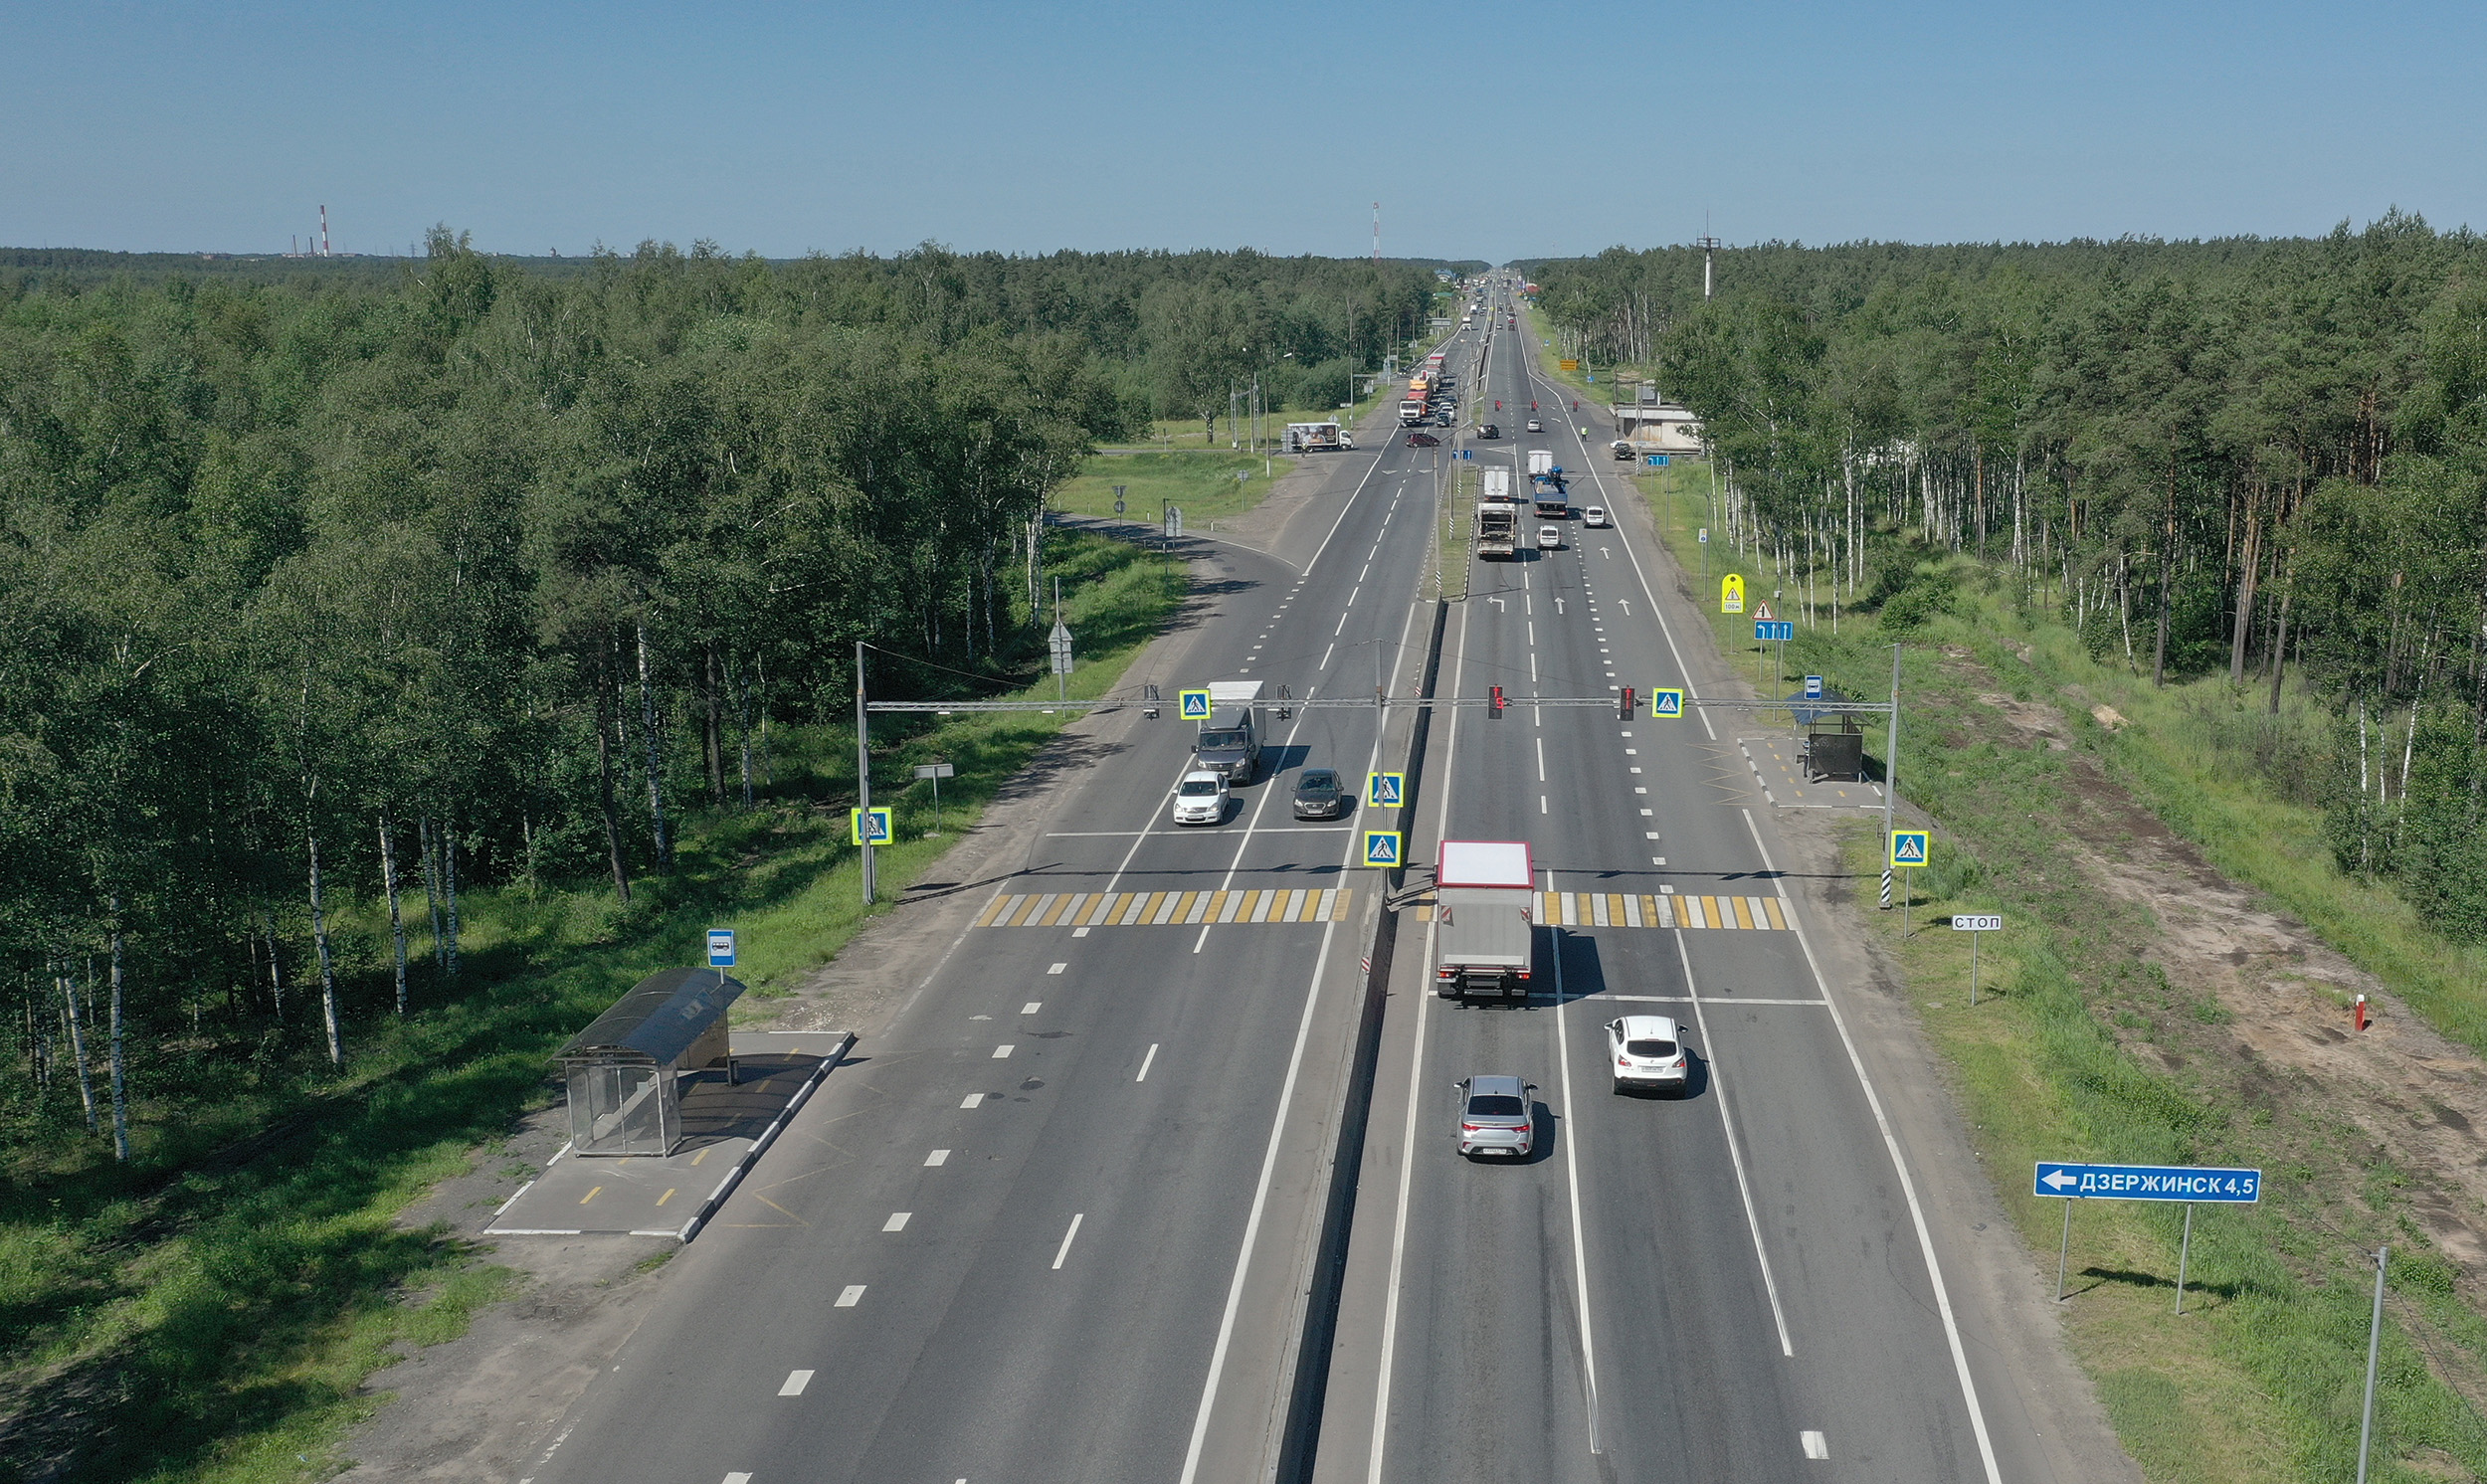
1319 795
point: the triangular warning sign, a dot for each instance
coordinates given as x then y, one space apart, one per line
1763 610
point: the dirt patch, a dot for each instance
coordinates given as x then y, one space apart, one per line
2287 994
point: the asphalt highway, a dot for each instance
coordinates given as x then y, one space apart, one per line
1053 1223
1733 1284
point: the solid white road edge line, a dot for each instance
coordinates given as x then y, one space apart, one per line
1572 1177
1415 1075
1908 1184
1735 1152
1277 1129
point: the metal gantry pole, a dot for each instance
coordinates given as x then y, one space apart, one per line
2374 1345
863 773
1891 775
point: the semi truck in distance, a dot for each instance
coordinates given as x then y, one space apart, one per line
1546 488
1485 895
1229 741
1497 518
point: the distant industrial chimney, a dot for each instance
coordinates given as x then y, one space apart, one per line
323 230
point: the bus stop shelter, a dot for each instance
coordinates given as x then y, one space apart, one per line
625 1070
1834 739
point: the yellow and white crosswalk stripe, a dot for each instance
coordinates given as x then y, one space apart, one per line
1163 908
1626 910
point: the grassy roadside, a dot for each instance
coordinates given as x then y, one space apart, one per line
1204 484
211 1312
2083 1047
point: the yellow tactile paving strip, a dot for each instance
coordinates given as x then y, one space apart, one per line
1623 910
1163 908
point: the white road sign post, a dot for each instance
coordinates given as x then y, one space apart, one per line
936 772
1974 923
2073 1181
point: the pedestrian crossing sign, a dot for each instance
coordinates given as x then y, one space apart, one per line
1194 704
1909 847
867 827
1382 848
1382 790
1666 703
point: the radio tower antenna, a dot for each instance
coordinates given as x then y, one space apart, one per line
324 228
1377 234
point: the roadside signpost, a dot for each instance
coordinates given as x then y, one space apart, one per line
936 772
1731 593
1910 849
2072 1180
1194 705
1974 923
1174 521
1381 849
1118 506
867 827
1382 790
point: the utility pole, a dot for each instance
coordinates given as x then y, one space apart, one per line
2374 1345
1890 776
863 773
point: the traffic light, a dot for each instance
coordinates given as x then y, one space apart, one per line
1625 710
1494 705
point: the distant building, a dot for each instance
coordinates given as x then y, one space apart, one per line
1658 427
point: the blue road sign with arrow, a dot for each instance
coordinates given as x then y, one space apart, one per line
2207 1182
1779 630
1382 790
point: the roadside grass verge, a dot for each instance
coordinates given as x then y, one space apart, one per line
2082 1047
211 1310
1204 484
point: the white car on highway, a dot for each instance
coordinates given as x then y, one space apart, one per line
1642 1051
1593 515
1201 799
1550 538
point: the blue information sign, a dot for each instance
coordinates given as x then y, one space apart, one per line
1781 630
721 948
1812 687
1382 848
2147 1182
1655 461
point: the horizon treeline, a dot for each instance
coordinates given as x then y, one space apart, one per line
465 574
2229 457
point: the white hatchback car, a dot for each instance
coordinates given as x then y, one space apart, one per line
1550 538
1201 799
1643 1051
1593 515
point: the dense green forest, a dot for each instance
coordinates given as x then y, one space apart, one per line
327 587
2250 457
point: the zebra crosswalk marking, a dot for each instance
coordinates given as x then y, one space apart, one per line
1632 910
1165 909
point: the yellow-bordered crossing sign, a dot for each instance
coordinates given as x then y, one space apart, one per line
1382 848
1910 846
859 831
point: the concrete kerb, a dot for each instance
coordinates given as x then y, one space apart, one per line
1308 1385
759 1146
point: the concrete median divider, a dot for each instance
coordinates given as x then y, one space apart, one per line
1309 1364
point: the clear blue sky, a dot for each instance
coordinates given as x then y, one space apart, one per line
1488 133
